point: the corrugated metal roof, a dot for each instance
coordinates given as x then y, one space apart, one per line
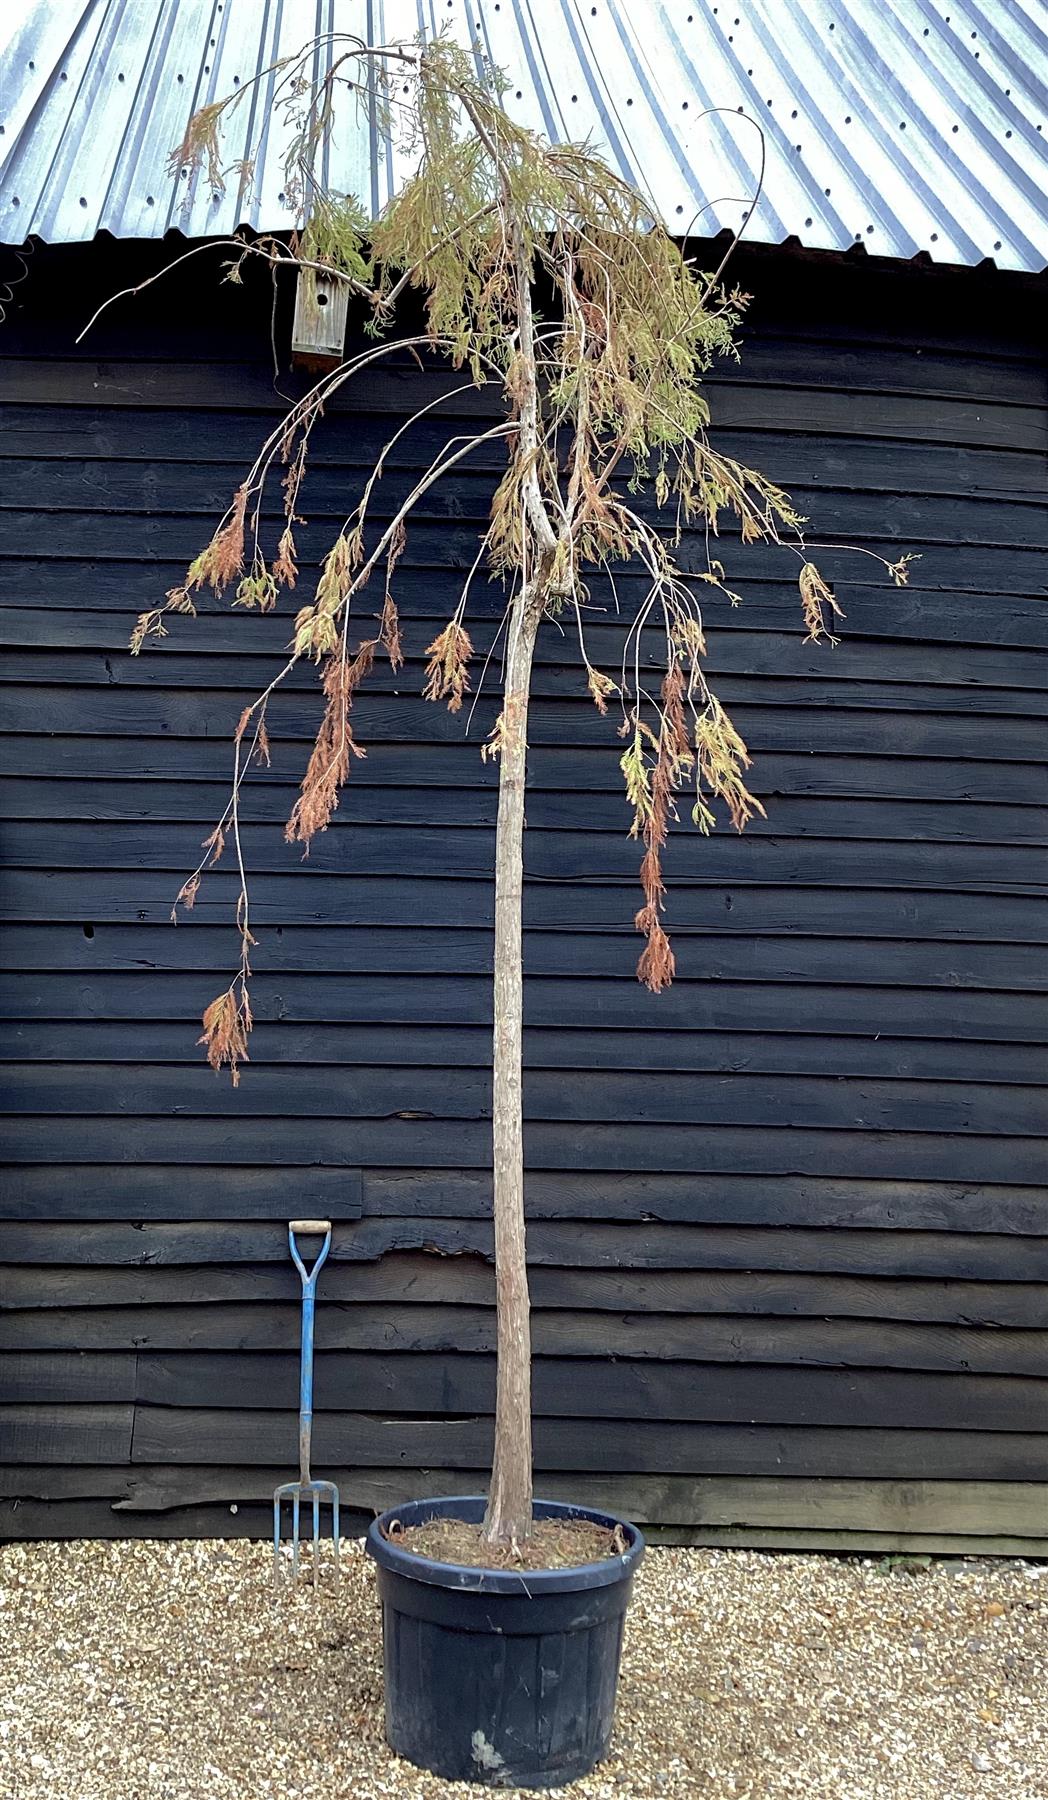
904 125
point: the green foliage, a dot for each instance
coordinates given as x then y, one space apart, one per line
336 235
632 330
634 766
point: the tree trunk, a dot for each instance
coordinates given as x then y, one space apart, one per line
508 1516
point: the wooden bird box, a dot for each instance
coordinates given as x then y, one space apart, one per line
318 334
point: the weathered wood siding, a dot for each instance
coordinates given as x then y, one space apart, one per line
787 1221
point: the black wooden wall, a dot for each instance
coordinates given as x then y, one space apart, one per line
789 1243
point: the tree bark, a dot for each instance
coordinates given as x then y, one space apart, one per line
508 1516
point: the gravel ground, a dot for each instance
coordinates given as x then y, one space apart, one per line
166 1671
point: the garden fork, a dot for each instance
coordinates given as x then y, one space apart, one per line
306 1488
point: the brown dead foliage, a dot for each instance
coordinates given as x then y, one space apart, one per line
222 560
226 1023
446 670
674 758
335 747
284 568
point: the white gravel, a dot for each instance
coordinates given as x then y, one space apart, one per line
166 1671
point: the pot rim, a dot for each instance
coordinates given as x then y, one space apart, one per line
529 1583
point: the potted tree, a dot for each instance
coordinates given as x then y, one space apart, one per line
503 1617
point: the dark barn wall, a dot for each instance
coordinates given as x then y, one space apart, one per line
786 1223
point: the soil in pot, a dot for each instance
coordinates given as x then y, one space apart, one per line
553 1544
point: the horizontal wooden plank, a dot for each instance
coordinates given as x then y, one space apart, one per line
199 949
396 390
170 1434
826 1008
579 1244
967 1508
66 1520
891 635
226 652
251 1192
974 1518
144 1191
770 356
174 762
750 668
732 1197
162 803
143 487
468 1281
925 611
450 548
68 1378
469 1047
849 315
124 439
777 1150
83 1481
31 1520
549 855
87 1433
95 491
188 761
609 1388
604 1388
852 315
866 1544
300 898
780 318
768 590
838 1343
771 353
387 386
856 290
144 1487
904 722
662 1098
702 954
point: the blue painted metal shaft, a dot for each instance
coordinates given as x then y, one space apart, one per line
305 1391
309 1298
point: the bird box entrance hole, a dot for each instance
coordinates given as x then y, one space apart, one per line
318 334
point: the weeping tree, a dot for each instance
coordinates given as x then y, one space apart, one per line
602 413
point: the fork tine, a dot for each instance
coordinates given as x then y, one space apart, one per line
315 1495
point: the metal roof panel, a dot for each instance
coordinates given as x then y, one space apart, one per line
892 123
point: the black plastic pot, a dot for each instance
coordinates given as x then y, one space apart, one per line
497 1677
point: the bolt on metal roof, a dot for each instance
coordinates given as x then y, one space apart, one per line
902 125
